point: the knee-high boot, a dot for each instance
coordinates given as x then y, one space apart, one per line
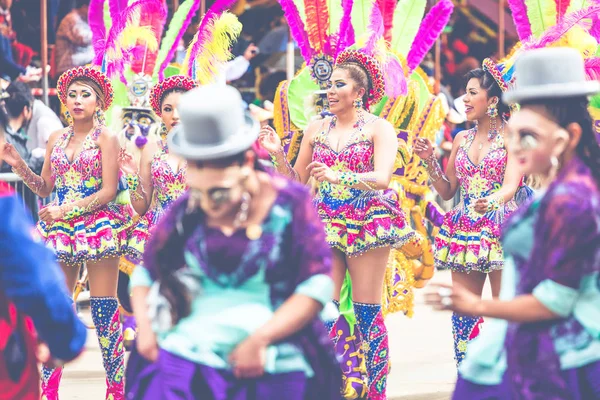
369 319
50 382
105 314
464 329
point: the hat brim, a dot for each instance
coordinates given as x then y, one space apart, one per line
235 144
551 91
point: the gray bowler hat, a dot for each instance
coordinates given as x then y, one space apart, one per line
213 124
554 72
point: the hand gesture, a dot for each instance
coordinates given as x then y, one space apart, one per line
322 173
127 163
249 358
423 148
482 205
453 297
11 155
50 214
269 140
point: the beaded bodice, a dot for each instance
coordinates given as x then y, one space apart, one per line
168 184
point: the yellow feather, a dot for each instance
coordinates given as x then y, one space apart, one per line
133 35
542 15
216 50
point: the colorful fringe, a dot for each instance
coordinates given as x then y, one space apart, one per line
370 322
50 382
105 314
464 329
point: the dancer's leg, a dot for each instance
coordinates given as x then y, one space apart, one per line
465 328
51 376
103 276
367 272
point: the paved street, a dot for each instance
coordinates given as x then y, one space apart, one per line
421 350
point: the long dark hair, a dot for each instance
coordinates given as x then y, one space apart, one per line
489 84
168 256
565 111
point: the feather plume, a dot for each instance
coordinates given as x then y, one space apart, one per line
542 15
557 32
346 31
395 79
592 68
561 8
361 14
375 30
317 25
518 10
595 29
387 11
116 7
96 23
429 31
297 30
218 37
579 4
177 27
407 19
201 36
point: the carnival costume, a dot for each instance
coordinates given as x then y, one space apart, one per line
90 231
358 220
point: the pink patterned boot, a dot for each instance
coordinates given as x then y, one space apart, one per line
50 382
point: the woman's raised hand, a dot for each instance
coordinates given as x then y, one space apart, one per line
269 140
423 148
11 155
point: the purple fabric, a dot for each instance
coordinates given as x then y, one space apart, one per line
225 253
566 248
175 378
581 383
303 253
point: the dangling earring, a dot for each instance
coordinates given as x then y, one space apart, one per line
99 115
358 103
68 118
492 112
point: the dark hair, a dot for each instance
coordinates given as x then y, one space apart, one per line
19 97
81 3
565 111
359 76
489 84
176 89
267 87
169 258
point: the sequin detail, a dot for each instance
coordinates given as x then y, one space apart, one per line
167 187
370 322
469 241
464 329
105 314
357 220
91 236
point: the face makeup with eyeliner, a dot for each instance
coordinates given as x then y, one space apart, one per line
81 101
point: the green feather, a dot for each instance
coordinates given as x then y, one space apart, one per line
595 102
300 6
577 5
408 16
172 33
423 91
301 87
361 15
377 109
542 15
107 19
335 15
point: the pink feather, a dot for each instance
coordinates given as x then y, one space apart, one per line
395 81
558 31
116 7
432 26
519 14
561 8
592 68
172 50
346 31
297 28
387 8
96 22
213 12
595 30
375 29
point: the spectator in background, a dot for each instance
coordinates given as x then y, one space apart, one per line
277 38
74 39
22 54
43 122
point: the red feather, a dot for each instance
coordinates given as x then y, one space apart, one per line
561 8
317 21
387 8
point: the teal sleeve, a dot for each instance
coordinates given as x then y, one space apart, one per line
318 287
140 277
559 299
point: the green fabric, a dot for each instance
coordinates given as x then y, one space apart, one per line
172 70
378 108
301 87
346 305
